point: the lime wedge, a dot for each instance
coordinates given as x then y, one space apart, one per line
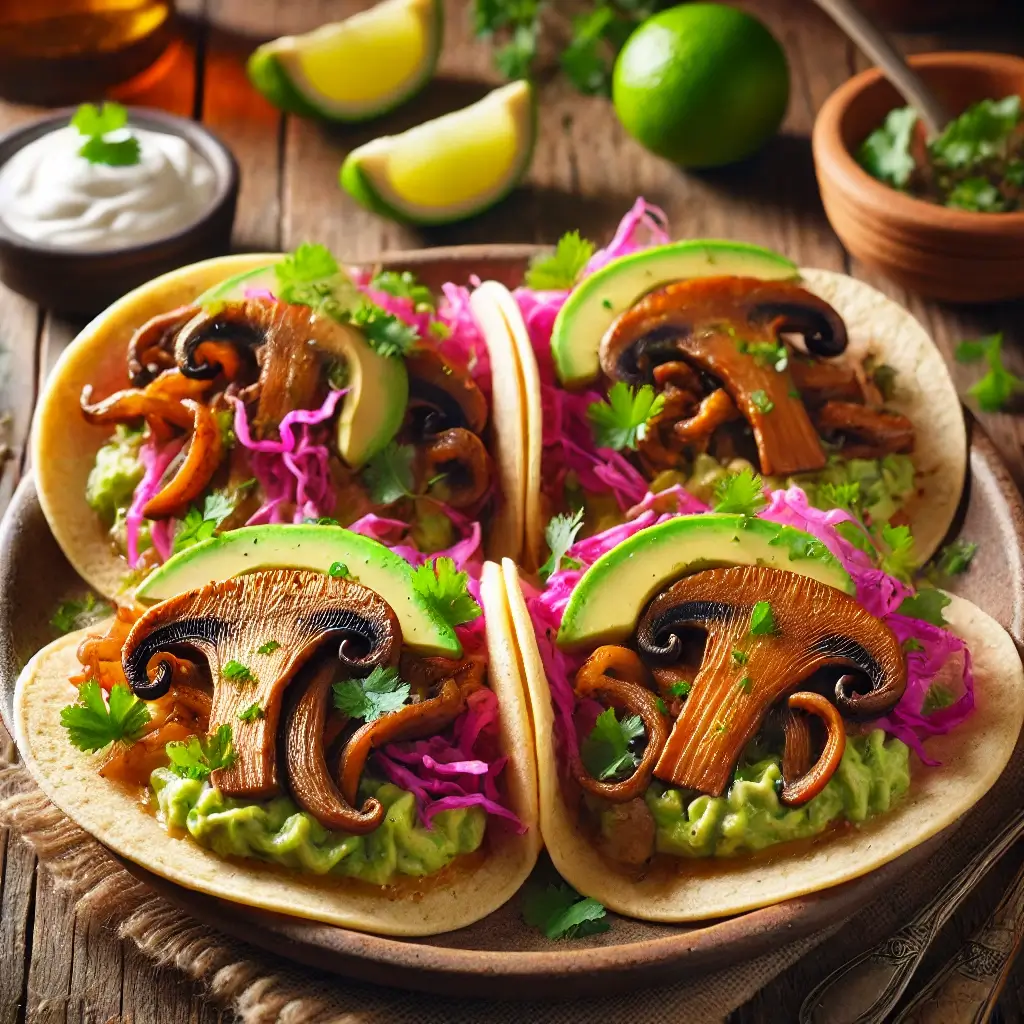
448 168
355 69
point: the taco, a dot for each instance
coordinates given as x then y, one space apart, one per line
350 747
280 389
730 711
666 366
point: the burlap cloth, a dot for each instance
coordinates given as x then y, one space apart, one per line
260 991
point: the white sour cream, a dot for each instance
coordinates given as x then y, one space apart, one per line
50 194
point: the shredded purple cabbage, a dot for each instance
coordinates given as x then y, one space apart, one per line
161 531
882 595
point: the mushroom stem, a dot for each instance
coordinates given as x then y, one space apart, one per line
461 461
151 349
814 626
309 779
618 676
809 783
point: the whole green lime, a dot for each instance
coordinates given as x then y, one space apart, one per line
701 84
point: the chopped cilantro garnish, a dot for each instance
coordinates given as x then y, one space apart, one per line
96 123
765 353
937 697
268 648
385 333
199 526
560 270
740 657
911 645
977 194
662 706
322 521
235 672
621 420
404 285
388 476
762 403
741 492
955 558
680 689
380 693
606 752
896 552
560 533
196 758
745 684
561 913
251 713
762 619
338 570
885 153
77 614
994 390
92 723
978 134
447 589
800 545
927 604
845 496
721 727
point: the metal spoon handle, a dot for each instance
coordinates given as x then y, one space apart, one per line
966 990
865 990
876 45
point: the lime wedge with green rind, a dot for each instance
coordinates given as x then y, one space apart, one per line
449 168
356 69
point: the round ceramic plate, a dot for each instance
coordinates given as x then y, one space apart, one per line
500 956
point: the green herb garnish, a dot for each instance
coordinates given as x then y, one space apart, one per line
251 713
561 913
196 758
621 421
77 614
680 689
268 648
560 533
761 401
404 285
199 526
741 493
560 270
994 390
237 673
606 752
388 476
762 619
927 604
447 590
740 657
380 693
96 123
339 570
92 723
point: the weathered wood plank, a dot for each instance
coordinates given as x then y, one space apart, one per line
53 938
17 897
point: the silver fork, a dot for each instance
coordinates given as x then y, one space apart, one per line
867 988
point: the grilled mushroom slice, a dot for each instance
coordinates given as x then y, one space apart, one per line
726 327
151 349
442 398
803 625
458 463
226 623
866 433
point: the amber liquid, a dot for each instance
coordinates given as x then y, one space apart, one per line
67 51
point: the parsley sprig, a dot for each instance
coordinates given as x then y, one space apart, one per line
560 270
606 752
560 533
447 590
198 526
92 723
621 420
380 693
994 390
741 493
196 758
561 913
96 124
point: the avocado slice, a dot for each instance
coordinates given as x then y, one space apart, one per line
594 304
378 386
609 599
307 546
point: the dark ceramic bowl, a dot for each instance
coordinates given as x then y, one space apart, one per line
82 283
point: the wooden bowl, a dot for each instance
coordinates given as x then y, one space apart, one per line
946 254
81 283
501 957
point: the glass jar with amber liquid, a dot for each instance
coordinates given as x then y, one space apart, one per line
67 51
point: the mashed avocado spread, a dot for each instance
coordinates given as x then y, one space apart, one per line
277 831
115 474
873 774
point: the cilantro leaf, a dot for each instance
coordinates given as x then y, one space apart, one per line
199 526
994 389
196 758
740 492
762 619
384 332
560 270
620 421
586 61
765 353
339 570
938 696
77 614
885 153
513 59
251 713
980 132
606 752
237 673
927 604
897 552
96 124
955 558
380 693
745 685
92 723
388 476
268 648
740 657
560 533
404 285
978 195
561 913
447 589
761 401
911 645
680 689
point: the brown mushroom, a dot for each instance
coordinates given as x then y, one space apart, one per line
814 626
151 349
716 324
457 467
441 397
865 433
227 622
819 381
617 676
802 782
714 410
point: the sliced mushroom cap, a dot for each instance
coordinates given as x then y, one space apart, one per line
441 397
228 622
457 467
151 349
711 323
815 626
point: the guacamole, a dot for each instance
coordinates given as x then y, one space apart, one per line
278 832
115 474
873 774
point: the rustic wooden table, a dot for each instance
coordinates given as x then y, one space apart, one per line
586 173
